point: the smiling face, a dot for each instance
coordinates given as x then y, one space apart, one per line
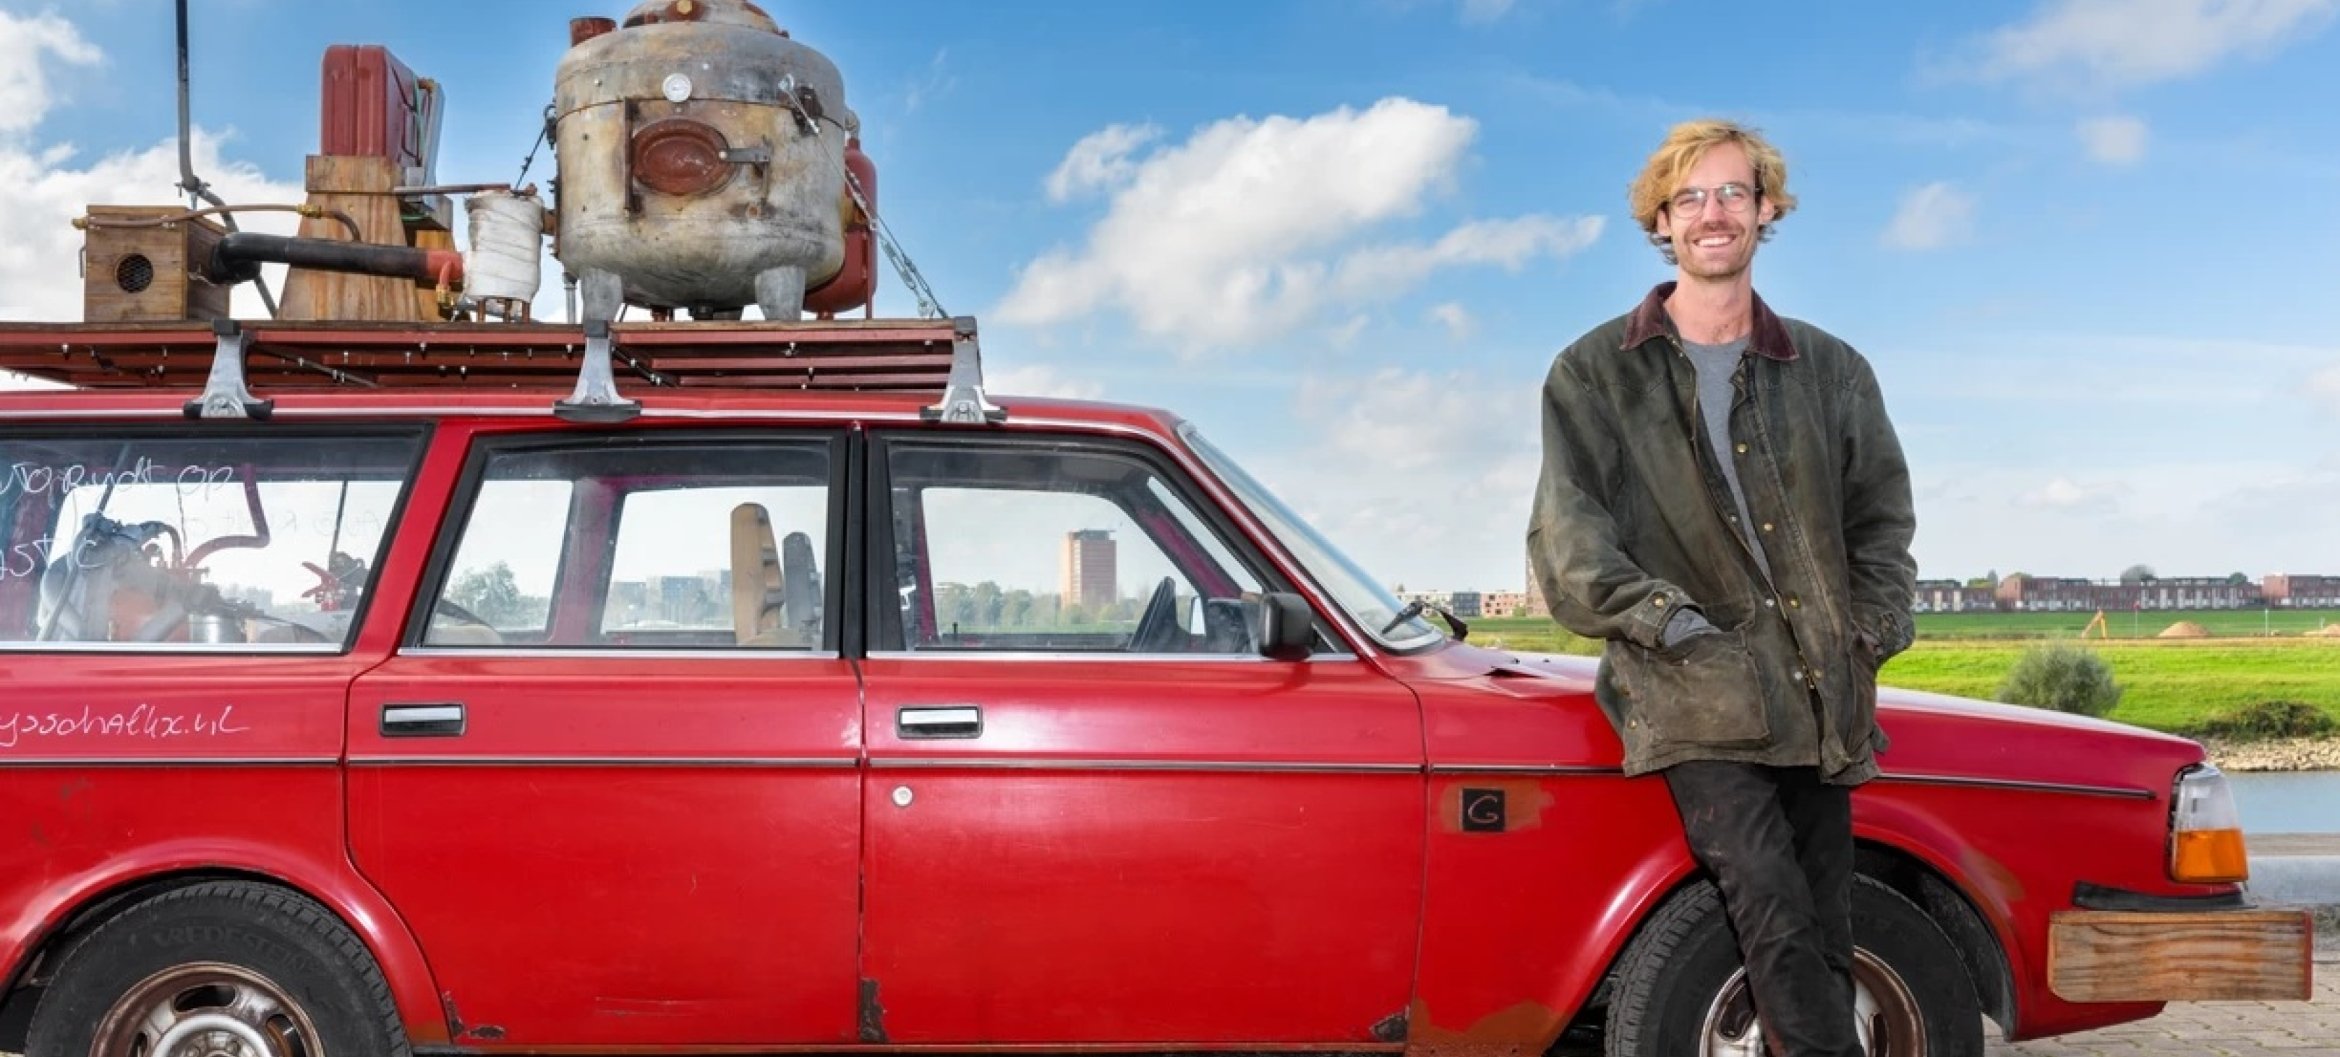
1710 242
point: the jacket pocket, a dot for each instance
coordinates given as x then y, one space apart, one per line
1703 692
1861 663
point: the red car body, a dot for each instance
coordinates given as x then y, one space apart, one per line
1431 850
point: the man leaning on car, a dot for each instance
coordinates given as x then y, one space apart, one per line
1724 501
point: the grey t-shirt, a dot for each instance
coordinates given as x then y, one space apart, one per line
1716 365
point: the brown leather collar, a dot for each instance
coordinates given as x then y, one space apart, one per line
1769 336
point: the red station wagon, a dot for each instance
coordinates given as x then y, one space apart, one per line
762 714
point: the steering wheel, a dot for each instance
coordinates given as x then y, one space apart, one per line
1158 621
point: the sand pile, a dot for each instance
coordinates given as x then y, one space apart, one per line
2185 629
2328 631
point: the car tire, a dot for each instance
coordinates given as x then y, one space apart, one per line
226 962
1680 990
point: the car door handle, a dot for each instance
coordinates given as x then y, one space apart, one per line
939 721
438 719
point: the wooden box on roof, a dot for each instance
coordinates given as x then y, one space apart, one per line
146 274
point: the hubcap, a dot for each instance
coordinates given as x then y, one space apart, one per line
207 1010
1885 1015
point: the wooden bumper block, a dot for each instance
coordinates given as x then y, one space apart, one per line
2134 956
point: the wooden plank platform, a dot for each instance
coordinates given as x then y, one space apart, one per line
834 354
2124 956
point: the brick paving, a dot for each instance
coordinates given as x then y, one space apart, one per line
2212 1029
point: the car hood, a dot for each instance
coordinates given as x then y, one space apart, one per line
1939 735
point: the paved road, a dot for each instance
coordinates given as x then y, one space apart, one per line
2214 1029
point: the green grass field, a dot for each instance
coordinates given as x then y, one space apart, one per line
2166 685
2122 624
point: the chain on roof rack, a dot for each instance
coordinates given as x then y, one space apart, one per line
232 360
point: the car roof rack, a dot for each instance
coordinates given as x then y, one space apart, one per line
231 359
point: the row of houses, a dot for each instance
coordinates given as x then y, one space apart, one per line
2063 593
2018 593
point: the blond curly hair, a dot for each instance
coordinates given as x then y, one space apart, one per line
1685 145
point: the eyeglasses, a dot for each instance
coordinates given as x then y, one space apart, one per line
1735 198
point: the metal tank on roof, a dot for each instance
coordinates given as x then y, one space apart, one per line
702 161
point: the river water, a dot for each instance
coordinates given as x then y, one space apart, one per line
2288 801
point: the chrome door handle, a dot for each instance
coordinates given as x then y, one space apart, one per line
939 721
444 719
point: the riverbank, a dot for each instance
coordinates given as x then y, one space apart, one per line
2280 754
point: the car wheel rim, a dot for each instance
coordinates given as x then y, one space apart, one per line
207 1009
1886 1015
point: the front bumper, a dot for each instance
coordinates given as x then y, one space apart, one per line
2245 953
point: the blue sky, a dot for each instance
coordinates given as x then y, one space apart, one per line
2088 244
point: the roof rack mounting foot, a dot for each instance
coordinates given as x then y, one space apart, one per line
224 393
596 398
963 402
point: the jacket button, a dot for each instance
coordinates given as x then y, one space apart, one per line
1767 526
1767 603
1657 600
1795 604
1742 449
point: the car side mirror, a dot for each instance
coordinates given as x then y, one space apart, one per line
1286 629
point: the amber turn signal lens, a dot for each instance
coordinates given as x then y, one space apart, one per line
2205 830
2209 856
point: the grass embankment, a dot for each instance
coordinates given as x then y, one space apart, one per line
2167 684
2124 624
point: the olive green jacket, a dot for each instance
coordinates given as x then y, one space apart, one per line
1634 521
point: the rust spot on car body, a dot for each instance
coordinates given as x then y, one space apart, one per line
1991 875
1520 1030
1525 800
873 1013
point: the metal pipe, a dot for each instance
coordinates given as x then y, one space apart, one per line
188 182
449 189
238 258
347 222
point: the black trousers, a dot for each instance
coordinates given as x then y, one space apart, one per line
1779 844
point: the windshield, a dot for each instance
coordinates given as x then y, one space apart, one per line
1372 606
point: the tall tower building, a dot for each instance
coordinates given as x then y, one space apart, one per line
1088 569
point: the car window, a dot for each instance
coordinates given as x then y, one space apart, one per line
185 542
676 545
1057 550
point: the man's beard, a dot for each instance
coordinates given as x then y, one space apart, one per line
1742 257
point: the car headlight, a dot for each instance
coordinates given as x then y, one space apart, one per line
2205 830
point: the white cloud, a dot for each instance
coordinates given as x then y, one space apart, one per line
2184 518
1423 477
1484 11
2063 493
2325 387
1099 160
1455 318
37 240
47 190
2116 140
935 82
1042 381
1930 218
1251 228
2113 44
24 44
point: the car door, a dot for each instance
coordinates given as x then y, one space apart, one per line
611 779
1095 814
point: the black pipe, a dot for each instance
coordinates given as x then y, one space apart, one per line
238 258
